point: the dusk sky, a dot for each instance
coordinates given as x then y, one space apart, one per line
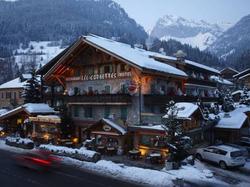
146 12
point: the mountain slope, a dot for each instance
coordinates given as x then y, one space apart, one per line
195 33
53 20
234 41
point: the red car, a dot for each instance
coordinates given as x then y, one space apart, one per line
38 160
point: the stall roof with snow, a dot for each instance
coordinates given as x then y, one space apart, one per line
185 62
185 110
107 126
133 56
30 109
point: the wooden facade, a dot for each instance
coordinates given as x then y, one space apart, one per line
95 83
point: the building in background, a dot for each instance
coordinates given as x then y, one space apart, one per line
11 92
242 79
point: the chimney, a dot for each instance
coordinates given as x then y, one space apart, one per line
180 55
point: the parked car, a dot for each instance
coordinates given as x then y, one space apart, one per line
242 148
224 155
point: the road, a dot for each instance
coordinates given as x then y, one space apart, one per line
12 175
232 176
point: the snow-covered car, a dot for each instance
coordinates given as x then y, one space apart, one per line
224 155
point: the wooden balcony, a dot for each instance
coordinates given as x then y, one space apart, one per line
93 99
164 99
201 82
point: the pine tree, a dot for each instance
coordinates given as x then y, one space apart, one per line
245 97
67 127
228 102
32 90
177 146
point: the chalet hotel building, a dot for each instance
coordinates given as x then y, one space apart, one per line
100 78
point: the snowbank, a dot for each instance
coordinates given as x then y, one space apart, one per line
24 143
145 176
80 154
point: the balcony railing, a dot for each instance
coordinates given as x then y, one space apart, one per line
164 99
201 82
99 98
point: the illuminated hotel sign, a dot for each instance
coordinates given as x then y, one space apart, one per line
100 76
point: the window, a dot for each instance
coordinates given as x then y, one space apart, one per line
88 112
76 111
122 68
106 112
90 90
8 95
107 89
90 71
20 94
153 141
124 88
2 95
107 69
153 89
77 72
14 95
124 113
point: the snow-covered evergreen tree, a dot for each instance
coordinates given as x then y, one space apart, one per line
176 142
228 102
32 90
245 97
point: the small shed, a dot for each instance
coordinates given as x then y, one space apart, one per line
191 117
232 126
107 134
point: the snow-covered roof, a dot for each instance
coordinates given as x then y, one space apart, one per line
38 108
237 92
202 66
135 56
149 127
114 125
185 110
15 83
232 120
229 68
158 55
220 80
27 76
31 108
2 111
242 72
244 76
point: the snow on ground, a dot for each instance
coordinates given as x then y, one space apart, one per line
132 174
3 146
39 51
201 40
